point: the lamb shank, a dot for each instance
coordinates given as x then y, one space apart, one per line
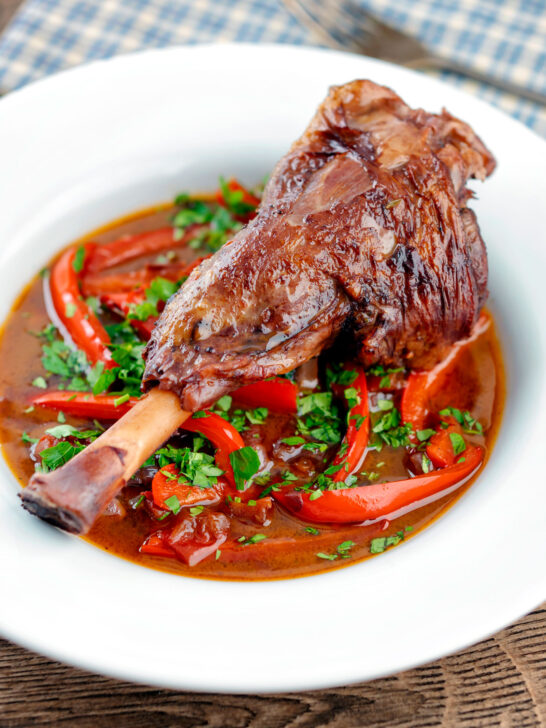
363 227
363 232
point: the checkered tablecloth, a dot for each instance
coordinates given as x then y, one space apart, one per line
502 37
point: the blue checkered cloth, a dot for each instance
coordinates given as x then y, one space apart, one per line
501 37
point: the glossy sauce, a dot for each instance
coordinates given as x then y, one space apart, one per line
476 385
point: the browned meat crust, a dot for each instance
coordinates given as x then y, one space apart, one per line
363 228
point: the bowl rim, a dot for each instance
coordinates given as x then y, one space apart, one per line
342 672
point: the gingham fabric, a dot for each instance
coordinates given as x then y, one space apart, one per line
502 37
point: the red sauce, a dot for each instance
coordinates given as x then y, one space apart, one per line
291 546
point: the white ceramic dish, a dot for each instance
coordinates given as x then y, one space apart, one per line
94 143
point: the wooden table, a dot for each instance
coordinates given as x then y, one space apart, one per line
499 682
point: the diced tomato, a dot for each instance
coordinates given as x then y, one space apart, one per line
194 538
191 540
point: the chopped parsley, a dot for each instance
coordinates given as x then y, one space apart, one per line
318 418
53 457
218 223
159 291
426 463
70 309
76 374
470 425
262 479
352 397
173 504
56 455
224 403
195 467
234 200
378 545
337 374
79 258
388 428
25 437
61 431
245 463
342 551
257 416
138 501
293 441
328 557
457 442
378 370
256 538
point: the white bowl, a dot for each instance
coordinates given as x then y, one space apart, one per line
91 144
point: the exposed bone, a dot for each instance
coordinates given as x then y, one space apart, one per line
74 495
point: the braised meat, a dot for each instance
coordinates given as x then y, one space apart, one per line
363 229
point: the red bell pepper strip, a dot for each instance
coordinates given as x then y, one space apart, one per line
356 438
278 395
86 330
422 385
382 500
81 404
129 247
103 407
223 436
166 483
100 284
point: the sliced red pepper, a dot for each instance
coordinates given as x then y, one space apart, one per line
82 404
103 407
104 285
129 247
164 487
382 500
278 395
355 442
86 330
422 385
223 436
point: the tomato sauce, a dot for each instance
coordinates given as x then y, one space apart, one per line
288 546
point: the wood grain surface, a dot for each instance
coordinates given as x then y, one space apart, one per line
499 682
